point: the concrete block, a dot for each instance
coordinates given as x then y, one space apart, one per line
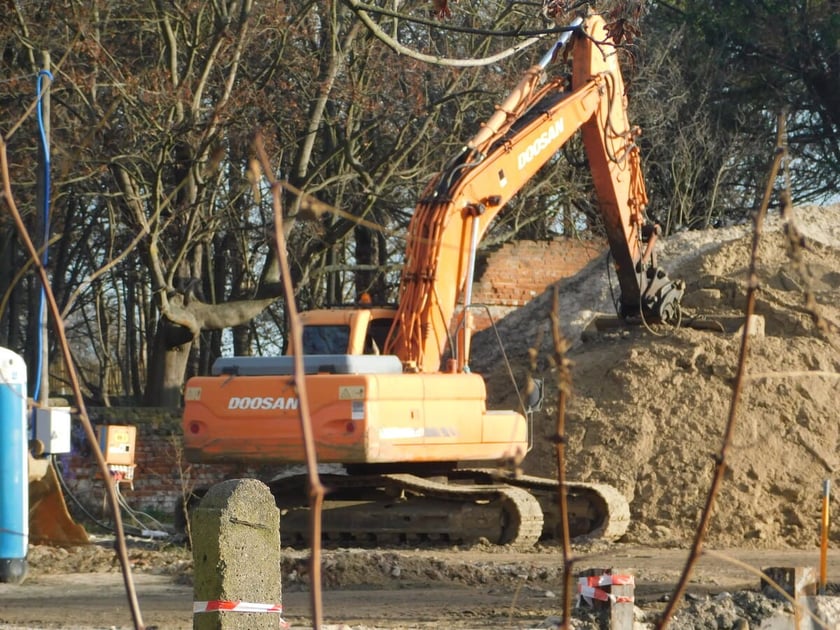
236 557
812 613
795 581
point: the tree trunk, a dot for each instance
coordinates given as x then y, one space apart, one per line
167 366
176 331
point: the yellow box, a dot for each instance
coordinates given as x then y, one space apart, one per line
117 443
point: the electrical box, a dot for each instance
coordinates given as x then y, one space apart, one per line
52 429
117 443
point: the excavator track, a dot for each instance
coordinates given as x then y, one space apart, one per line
464 507
405 508
521 515
595 510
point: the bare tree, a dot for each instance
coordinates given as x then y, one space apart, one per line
713 76
161 240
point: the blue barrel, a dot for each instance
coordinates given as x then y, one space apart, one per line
14 465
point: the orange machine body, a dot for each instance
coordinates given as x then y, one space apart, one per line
363 410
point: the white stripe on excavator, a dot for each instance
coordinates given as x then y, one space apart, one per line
396 433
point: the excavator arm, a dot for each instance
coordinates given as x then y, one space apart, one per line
525 132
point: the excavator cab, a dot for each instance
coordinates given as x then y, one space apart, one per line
346 331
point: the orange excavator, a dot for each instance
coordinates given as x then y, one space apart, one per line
392 398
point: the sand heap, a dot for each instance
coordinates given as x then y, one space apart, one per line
649 407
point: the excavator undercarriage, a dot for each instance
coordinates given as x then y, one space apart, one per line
466 506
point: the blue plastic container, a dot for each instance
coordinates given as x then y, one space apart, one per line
14 464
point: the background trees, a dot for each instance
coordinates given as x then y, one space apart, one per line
712 78
161 250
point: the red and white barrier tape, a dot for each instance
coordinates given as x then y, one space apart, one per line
588 588
226 606
607 579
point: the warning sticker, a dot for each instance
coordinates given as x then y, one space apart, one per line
351 392
357 411
192 393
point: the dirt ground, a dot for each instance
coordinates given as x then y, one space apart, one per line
647 413
478 587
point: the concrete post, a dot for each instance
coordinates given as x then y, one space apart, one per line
610 591
797 582
800 583
235 534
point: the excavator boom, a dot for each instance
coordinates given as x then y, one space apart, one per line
526 131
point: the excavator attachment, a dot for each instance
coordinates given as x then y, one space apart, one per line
50 522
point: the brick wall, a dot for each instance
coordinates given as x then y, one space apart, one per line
161 476
512 275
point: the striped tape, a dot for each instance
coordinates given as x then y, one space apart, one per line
607 579
228 606
588 588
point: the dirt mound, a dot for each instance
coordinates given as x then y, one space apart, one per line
649 406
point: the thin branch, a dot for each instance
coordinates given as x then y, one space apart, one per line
355 5
398 48
34 103
336 64
561 346
316 488
756 376
58 323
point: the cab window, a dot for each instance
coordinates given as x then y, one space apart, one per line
377 334
326 339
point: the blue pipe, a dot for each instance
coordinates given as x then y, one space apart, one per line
14 466
45 219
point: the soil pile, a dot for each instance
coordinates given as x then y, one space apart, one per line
649 405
